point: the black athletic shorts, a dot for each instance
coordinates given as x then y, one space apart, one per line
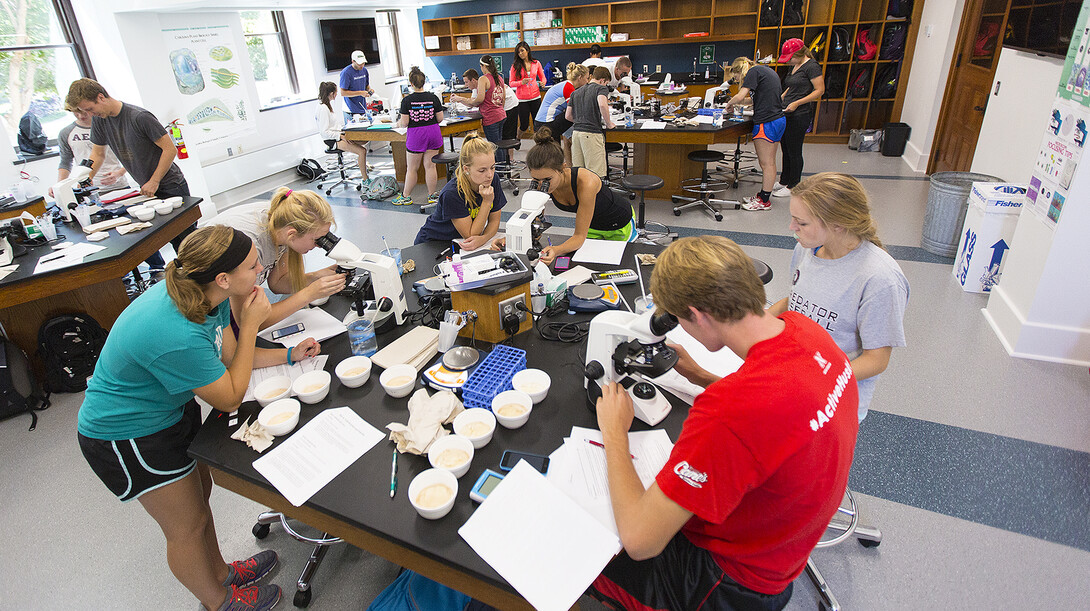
683 577
131 467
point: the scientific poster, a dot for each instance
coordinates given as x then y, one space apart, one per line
207 68
1057 160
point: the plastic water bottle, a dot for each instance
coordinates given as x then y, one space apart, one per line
453 81
629 118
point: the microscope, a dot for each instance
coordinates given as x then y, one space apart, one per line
369 276
717 96
630 349
75 190
525 227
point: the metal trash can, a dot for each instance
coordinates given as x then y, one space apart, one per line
947 202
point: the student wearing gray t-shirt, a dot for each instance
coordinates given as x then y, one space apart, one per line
588 111
843 279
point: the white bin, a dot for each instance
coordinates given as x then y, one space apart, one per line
986 235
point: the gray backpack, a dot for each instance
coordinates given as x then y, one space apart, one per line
381 187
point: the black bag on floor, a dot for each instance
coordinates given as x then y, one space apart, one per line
19 390
770 12
840 44
309 169
69 346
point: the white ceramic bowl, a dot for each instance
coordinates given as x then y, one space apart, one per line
398 381
273 410
273 389
533 382
150 204
312 386
451 443
472 416
175 202
163 208
141 213
502 402
354 371
428 478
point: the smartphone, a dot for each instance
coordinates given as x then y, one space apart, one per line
511 458
286 331
562 263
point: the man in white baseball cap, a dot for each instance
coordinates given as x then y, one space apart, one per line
355 84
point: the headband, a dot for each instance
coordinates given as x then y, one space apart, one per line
288 194
231 258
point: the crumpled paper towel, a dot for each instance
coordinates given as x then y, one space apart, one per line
255 435
427 415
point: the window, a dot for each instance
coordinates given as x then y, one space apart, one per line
270 57
41 53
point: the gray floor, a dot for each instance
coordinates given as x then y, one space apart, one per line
975 466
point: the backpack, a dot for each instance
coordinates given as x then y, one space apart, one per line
792 12
860 85
840 44
381 187
864 47
898 9
19 390
885 81
31 138
770 13
69 346
835 79
893 42
309 169
412 591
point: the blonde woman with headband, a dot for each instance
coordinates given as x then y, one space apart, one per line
763 85
469 206
843 278
139 414
283 231
555 104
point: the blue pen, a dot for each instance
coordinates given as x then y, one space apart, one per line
550 240
393 474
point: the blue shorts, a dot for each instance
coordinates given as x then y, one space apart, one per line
771 131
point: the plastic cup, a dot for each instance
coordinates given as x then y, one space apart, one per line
49 230
448 333
395 254
361 335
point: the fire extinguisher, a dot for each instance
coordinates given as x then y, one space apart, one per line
176 136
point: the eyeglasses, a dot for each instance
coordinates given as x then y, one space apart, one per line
540 185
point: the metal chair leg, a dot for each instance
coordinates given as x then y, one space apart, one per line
828 600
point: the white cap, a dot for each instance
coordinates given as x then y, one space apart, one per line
358 57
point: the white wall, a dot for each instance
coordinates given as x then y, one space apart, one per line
927 80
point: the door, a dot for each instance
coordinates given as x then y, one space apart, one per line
980 38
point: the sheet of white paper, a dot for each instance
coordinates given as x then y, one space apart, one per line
721 363
539 540
649 124
315 454
72 255
264 373
317 323
704 119
465 251
575 275
677 385
431 42
651 449
607 252
562 463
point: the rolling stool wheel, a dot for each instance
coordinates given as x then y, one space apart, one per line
450 160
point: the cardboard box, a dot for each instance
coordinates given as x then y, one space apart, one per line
986 235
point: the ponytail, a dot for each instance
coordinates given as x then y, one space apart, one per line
302 211
546 153
197 252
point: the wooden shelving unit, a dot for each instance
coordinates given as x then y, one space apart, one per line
655 22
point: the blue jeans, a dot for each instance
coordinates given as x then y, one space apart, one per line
494 133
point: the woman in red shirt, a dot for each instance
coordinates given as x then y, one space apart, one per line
526 72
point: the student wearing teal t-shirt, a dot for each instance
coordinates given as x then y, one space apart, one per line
139 414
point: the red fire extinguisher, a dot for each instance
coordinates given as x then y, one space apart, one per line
176 136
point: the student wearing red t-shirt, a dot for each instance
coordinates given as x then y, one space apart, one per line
762 460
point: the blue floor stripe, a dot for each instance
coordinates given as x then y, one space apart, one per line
1019 486
880 176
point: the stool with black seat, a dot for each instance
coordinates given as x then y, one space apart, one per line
511 170
642 183
450 160
704 187
340 171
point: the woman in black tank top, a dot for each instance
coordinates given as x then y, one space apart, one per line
600 213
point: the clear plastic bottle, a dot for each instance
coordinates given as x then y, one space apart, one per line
629 118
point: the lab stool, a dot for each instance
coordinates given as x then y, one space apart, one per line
615 174
704 187
643 183
868 536
511 170
303 591
742 165
450 160
340 170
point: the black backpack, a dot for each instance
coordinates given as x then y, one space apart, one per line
32 139
860 84
885 81
840 44
309 169
836 78
893 42
792 12
19 390
770 12
899 8
69 346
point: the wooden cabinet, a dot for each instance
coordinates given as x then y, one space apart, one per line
855 97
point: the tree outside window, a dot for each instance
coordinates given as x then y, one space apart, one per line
270 57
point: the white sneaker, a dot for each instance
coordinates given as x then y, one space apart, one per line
755 204
782 192
777 185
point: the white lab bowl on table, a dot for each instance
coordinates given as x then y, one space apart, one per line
309 380
395 372
141 213
175 202
427 478
163 208
533 382
470 416
274 409
351 364
451 442
512 396
264 394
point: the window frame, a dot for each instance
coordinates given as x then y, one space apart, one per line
281 33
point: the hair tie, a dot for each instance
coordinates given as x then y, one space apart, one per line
288 194
177 263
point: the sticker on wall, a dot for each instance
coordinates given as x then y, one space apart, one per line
210 111
220 53
224 78
187 72
1056 207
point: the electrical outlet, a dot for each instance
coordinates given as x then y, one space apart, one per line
645 68
230 152
238 149
508 307
658 67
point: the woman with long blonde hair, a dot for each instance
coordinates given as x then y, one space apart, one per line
469 206
763 85
555 104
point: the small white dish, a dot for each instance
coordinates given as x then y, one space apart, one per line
272 389
280 417
312 386
398 381
533 382
163 208
141 213
470 419
430 504
175 202
443 452
512 408
353 371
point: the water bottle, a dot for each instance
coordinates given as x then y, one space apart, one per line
629 118
453 81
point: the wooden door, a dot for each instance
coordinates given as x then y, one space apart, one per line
980 38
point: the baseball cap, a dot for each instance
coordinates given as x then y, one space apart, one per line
360 58
789 47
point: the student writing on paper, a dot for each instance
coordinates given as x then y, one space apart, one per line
762 460
139 414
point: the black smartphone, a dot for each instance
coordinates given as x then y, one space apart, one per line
511 458
562 263
286 331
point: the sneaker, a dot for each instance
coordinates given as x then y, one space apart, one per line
755 203
245 572
782 192
401 200
365 184
778 185
253 598
433 198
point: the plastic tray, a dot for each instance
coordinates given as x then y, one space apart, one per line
493 376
